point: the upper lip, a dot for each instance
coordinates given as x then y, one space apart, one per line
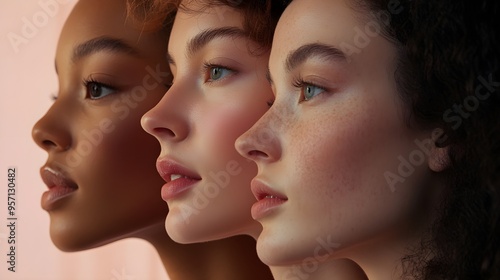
166 167
260 190
54 178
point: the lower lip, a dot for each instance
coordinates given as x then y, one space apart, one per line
265 207
176 188
54 195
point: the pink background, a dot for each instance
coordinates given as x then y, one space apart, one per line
27 80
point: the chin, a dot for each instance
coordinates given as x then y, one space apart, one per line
68 238
68 243
183 226
271 256
192 231
181 232
276 251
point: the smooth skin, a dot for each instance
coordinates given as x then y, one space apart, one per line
110 73
336 128
219 90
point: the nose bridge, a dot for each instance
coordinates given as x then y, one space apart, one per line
280 117
273 124
169 118
263 141
266 130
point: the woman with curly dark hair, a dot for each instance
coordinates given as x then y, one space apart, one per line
218 53
382 143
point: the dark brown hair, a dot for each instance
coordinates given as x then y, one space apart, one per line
447 75
259 17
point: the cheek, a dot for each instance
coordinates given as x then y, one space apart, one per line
224 122
124 148
341 163
119 188
230 123
330 151
351 141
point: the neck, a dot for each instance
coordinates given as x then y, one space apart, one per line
230 258
342 269
382 259
384 262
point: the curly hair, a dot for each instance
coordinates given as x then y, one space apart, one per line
259 17
447 76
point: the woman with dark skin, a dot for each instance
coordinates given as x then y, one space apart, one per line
382 139
100 173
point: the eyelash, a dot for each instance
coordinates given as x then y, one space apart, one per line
89 81
86 83
207 66
300 83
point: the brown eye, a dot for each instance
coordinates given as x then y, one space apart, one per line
96 90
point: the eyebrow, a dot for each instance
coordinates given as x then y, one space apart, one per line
203 38
103 43
303 53
206 36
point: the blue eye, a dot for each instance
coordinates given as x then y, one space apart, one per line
311 91
215 73
96 90
307 89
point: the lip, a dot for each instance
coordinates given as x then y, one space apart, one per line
268 200
174 189
60 187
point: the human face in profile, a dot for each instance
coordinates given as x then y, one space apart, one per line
219 90
334 131
100 169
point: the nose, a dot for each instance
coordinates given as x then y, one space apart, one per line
261 143
52 132
167 120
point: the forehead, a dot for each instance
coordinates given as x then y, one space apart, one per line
313 21
90 19
193 18
334 23
91 16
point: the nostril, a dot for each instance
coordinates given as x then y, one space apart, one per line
257 153
166 132
48 143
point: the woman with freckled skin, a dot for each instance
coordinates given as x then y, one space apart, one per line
218 53
100 172
364 146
